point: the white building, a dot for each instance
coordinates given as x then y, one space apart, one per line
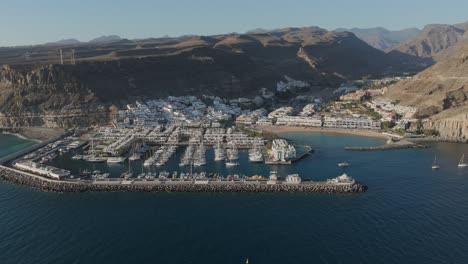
350 122
281 150
293 179
342 180
264 122
42 170
312 121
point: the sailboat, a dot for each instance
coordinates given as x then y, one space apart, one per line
92 158
462 163
435 166
219 152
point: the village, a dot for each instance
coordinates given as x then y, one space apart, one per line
151 132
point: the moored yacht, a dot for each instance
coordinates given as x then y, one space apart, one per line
232 164
232 152
135 156
255 155
219 153
116 160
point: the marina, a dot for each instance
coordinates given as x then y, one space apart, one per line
393 195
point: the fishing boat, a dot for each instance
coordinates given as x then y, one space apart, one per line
435 166
343 164
462 163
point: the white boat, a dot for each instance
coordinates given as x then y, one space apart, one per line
148 162
255 155
343 164
232 152
92 158
462 163
116 160
77 157
231 164
219 153
434 164
199 163
135 156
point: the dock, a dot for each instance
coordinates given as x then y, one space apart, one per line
307 151
172 185
402 144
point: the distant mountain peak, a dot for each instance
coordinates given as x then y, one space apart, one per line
104 38
382 38
62 42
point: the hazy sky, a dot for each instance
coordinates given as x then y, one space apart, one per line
24 22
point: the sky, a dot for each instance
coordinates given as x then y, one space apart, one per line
28 22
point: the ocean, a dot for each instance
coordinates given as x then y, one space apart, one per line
410 214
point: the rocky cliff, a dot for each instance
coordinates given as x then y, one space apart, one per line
441 95
36 89
435 41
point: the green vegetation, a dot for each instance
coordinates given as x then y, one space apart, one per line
399 131
430 132
388 124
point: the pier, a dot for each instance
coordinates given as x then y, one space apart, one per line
30 149
177 185
402 144
307 151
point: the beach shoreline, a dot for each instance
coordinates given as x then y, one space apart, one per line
297 129
38 134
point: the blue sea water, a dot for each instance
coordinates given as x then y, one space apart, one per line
410 214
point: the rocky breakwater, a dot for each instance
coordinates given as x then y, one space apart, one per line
401 144
87 186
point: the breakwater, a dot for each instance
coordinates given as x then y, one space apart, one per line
44 184
397 145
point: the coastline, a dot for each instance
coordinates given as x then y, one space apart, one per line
38 134
297 129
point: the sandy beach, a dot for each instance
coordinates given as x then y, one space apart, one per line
291 129
36 133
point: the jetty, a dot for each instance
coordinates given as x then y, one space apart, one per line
391 145
173 185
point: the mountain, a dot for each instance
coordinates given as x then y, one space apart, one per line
64 42
37 90
381 38
104 39
440 94
436 41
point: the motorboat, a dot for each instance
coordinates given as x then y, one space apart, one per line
343 164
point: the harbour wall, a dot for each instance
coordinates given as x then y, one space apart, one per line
404 144
63 186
